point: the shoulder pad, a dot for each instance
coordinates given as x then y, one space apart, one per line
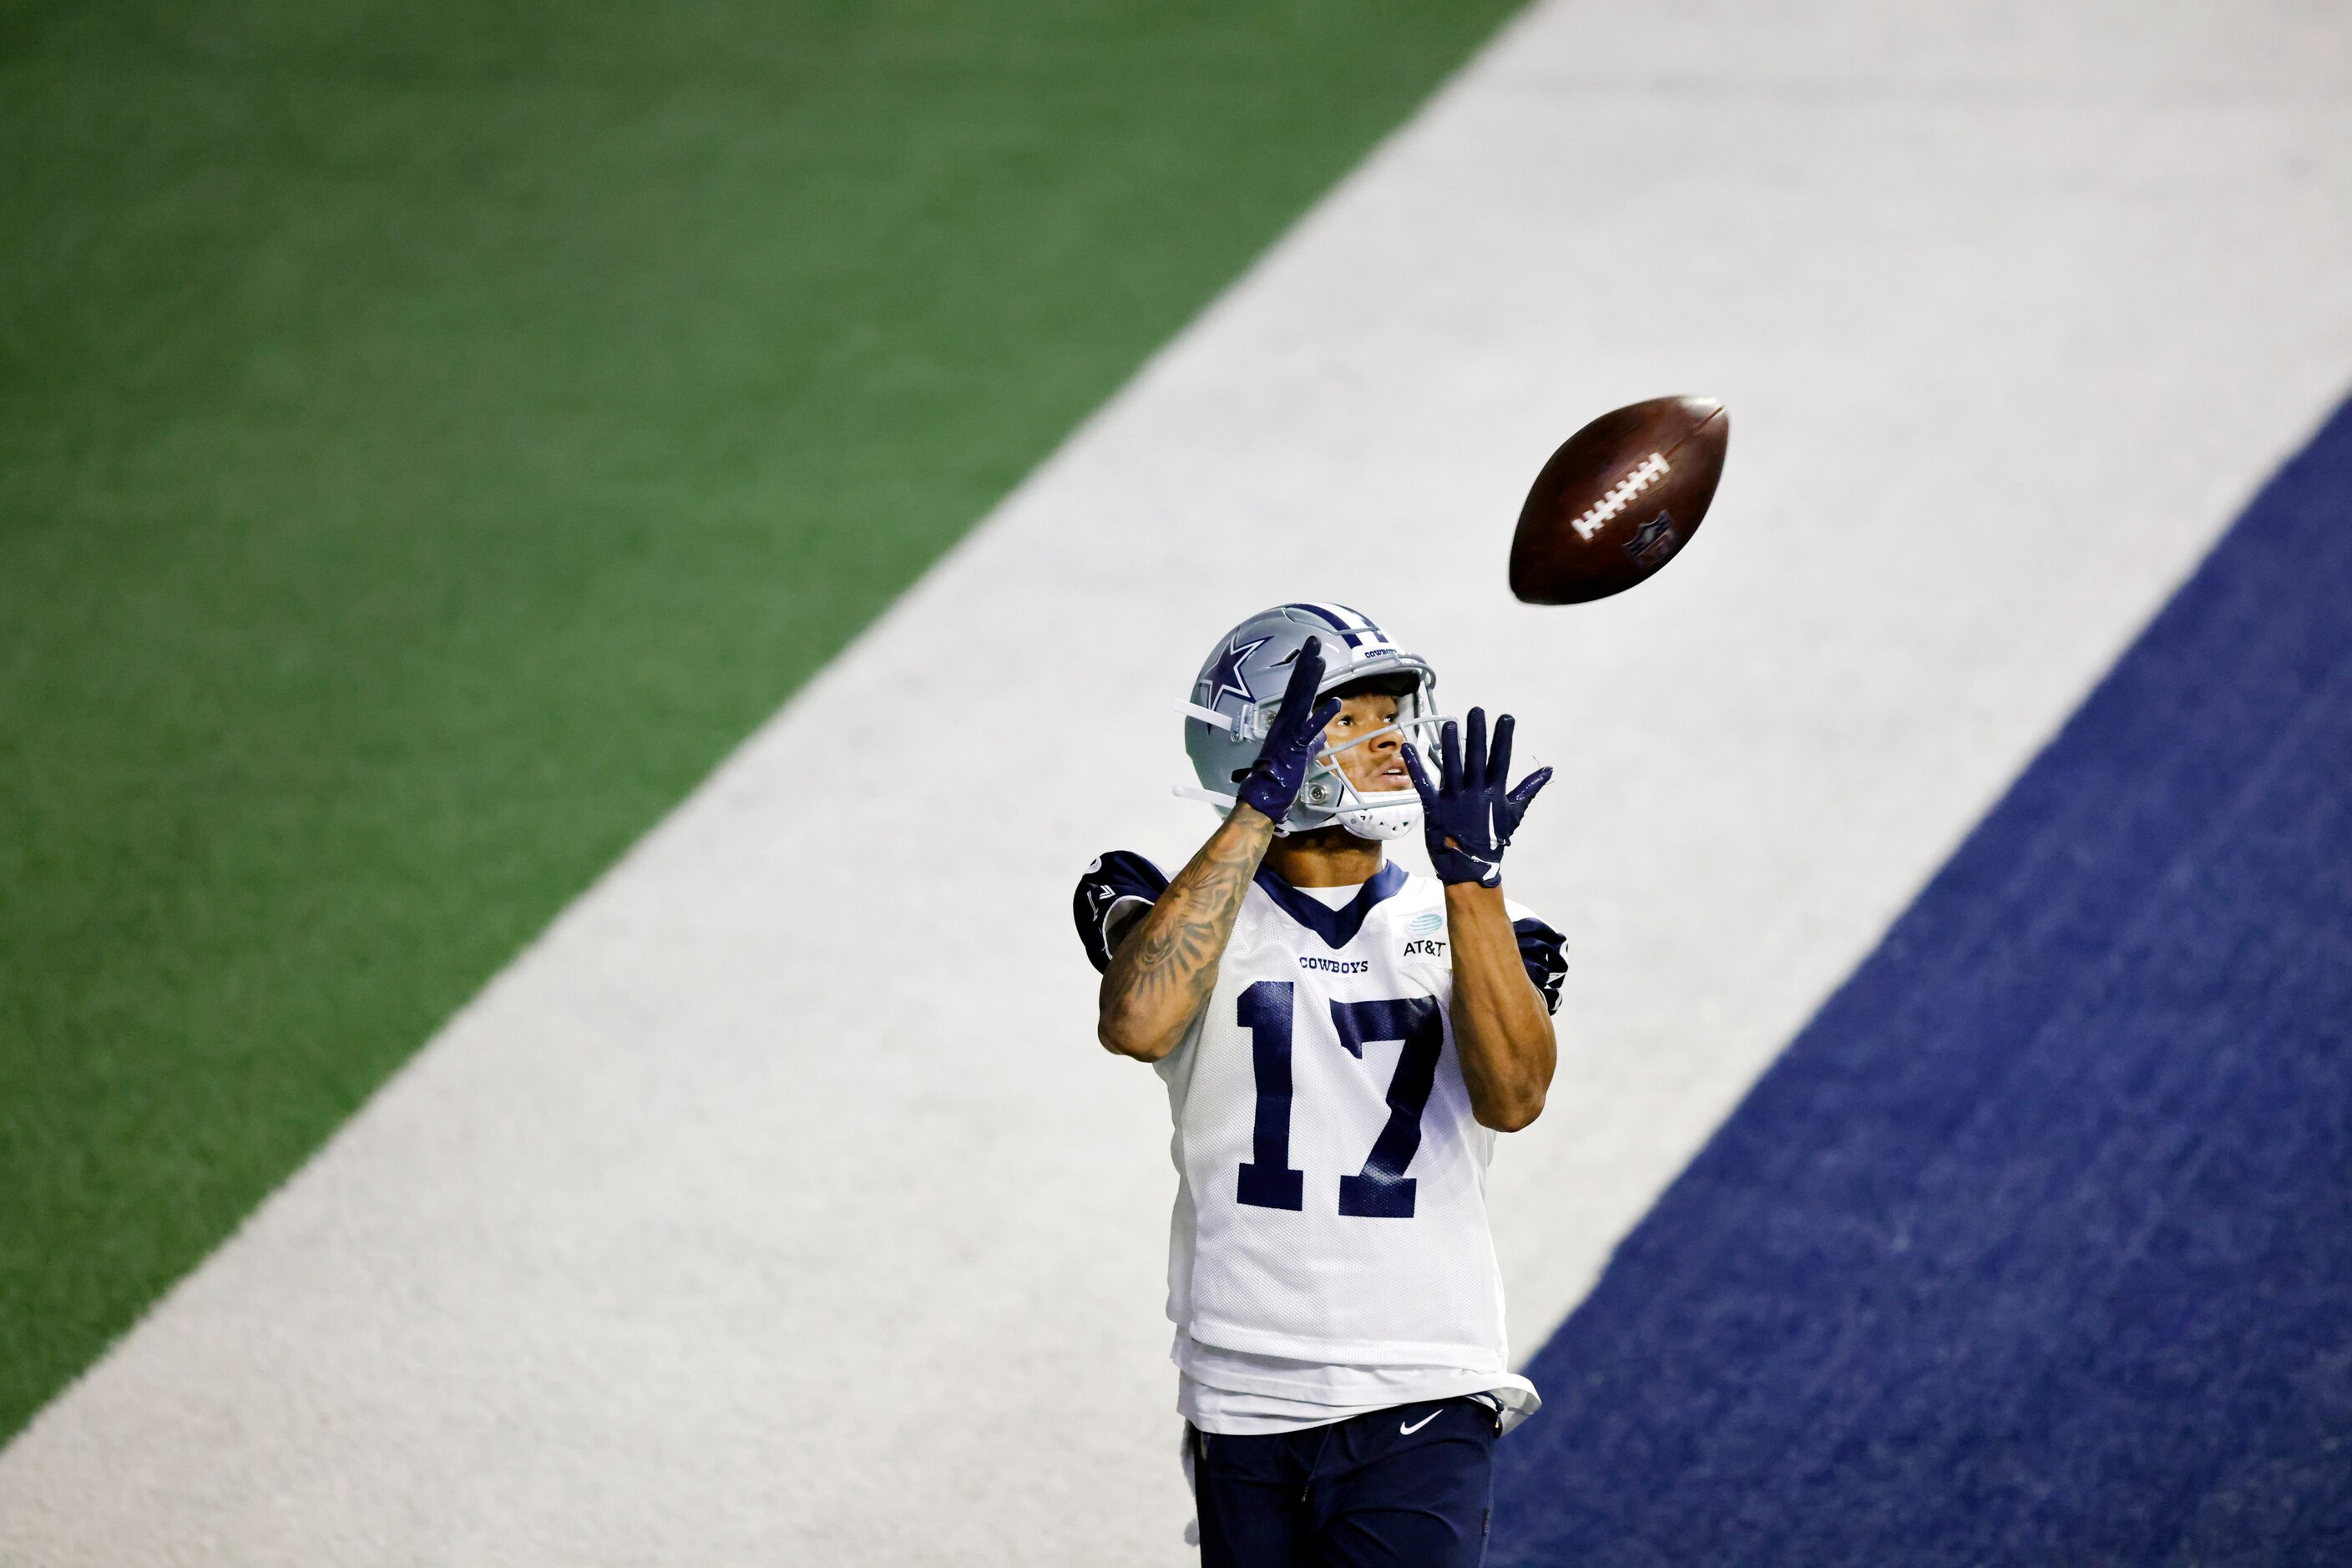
1545 952
1113 882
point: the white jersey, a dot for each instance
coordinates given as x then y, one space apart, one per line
1332 1202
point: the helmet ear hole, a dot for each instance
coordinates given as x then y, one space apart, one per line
1240 774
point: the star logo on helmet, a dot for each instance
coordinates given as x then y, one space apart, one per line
1225 674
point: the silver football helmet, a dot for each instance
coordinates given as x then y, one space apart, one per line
1240 690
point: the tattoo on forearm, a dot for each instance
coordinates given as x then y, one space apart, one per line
1173 952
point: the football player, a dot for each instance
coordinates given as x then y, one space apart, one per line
1340 1042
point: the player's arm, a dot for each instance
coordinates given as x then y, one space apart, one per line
1166 963
1165 966
1502 1026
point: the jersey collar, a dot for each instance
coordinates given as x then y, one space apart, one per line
1337 927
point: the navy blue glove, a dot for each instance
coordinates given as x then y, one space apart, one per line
1296 734
1467 816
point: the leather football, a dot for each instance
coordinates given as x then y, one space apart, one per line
1619 500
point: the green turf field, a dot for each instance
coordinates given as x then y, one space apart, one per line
432 433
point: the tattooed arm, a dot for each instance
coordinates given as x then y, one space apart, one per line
1164 971
1167 962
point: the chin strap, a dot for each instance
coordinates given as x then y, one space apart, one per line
1409 816
1245 725
1229 722
1380 823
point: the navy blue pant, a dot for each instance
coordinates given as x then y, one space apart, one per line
1408 1487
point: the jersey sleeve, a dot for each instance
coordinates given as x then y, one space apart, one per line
1545 952
1116 887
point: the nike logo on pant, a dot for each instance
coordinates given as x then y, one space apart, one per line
1410 1428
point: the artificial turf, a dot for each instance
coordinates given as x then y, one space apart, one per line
432 433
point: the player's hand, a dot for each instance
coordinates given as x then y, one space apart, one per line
1467 817
1297 733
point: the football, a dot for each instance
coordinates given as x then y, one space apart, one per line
1618 500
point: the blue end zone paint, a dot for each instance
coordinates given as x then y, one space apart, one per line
2036 1245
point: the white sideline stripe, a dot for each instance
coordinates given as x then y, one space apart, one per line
776 1206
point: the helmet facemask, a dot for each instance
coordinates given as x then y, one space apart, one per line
1330 797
